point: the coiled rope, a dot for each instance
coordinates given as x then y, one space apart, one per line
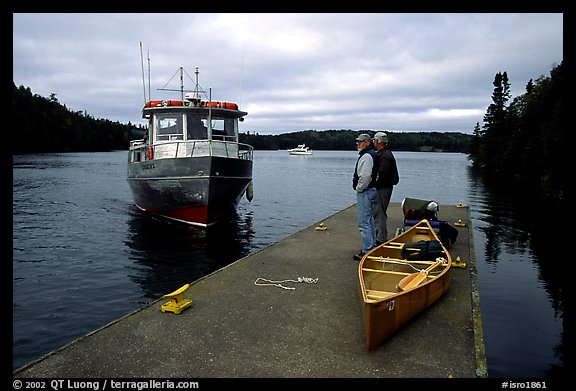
266 282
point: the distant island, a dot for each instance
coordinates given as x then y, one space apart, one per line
343 139
50 126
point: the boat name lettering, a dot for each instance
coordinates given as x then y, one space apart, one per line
148 166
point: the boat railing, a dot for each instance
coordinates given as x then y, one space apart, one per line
140 151
137 143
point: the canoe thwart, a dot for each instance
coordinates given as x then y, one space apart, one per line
367 269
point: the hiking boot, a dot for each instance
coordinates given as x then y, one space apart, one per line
358 257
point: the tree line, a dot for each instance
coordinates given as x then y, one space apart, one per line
521 140
45 125
344 140
42 124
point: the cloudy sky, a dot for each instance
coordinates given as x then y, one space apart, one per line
290 72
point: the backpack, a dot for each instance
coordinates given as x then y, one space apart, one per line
422 250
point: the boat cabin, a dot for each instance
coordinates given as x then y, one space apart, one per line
183 126
181 129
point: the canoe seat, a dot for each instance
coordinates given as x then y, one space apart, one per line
379 293
372 294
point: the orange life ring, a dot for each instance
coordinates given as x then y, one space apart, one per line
229 105
150 153
172 103
164 103
221 105
210 104
153 103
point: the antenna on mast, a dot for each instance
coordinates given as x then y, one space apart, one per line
149 93
142 62
182 83
197 88
194 96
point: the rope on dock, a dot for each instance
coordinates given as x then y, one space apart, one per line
307 280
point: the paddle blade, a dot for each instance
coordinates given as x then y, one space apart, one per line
415 279
412 281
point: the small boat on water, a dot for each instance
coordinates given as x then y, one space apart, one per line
190 166
400 278
301 149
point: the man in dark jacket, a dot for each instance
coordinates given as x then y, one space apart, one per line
387 178
364 183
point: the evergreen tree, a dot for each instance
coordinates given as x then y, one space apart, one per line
44 125
523 143
493 131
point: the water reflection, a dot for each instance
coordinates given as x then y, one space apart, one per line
168 255
83 255
517 250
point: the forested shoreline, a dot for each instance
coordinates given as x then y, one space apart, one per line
50 126
521 141
343 139
44 125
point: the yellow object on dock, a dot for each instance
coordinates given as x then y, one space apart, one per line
458 263
177 303
321 227
460 223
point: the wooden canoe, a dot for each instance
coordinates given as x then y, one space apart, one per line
386 306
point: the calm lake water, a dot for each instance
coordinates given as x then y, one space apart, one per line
83 255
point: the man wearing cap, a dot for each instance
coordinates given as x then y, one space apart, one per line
364 182
387 178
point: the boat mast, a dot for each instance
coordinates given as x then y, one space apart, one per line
197 88
210 114
149 92
182 84
143 81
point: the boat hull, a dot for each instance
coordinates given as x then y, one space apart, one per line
195 190
386 307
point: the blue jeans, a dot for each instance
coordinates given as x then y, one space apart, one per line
366 202
381 213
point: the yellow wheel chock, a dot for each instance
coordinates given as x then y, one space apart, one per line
460 223
458 263
177 303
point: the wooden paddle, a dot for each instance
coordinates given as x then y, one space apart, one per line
415 279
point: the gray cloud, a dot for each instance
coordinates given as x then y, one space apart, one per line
402 72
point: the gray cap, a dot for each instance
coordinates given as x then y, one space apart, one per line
364 137
381 137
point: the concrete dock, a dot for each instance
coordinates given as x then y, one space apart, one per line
237 329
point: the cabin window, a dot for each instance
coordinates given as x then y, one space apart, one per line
224 129
197 128
169 126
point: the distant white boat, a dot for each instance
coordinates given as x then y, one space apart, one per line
301 149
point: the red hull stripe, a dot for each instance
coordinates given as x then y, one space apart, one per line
197 214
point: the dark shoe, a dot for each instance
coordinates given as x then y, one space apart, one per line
379 242
358 257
